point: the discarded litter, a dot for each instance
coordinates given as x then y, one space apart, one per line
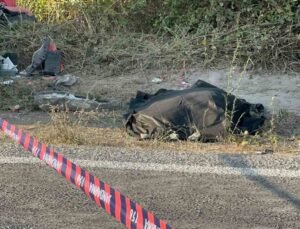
8 64
66 80
47 58
266 151
15 108
7 82
7 68
157 80
184 84
47 100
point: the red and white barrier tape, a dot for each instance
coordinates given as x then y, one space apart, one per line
127 212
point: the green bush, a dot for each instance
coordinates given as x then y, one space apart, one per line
266 31
141 15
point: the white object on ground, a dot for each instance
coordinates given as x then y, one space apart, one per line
7 82
156 80
8 64
184 84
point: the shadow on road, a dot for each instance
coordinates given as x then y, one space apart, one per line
250 173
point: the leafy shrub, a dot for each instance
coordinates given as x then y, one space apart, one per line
162 14
267 31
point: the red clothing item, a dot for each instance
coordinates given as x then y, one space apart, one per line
10 3
18 10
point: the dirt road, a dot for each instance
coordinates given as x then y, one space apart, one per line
188 190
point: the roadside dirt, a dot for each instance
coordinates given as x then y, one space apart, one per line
255 88
280 94
285 105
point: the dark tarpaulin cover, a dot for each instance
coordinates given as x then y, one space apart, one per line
202 112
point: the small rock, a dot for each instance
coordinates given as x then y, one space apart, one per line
266 151
66 80
156 80
15 108
244 143
145 136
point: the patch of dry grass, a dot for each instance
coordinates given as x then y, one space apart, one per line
74 129
82 128
92 50
117 137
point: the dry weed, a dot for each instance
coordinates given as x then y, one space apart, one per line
66 129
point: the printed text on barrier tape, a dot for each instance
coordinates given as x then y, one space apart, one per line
129 213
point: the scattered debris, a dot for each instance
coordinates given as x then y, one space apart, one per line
48 58
46 62
8 64
12 56
15 108
7 67
157 80
184 84
66 80
266 151
7 82
61 100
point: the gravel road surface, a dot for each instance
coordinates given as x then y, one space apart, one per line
188 190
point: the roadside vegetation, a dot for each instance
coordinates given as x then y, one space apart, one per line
122 35
67 128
